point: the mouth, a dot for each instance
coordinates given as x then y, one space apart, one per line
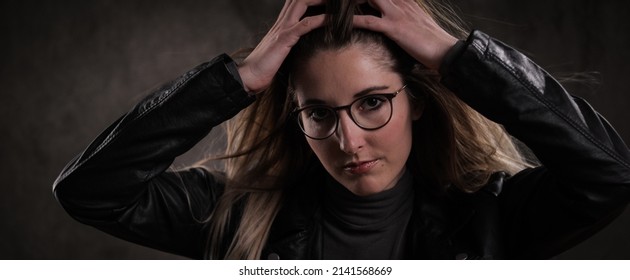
360 167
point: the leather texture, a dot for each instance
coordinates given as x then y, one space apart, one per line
121 183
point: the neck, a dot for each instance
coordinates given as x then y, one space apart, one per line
369 212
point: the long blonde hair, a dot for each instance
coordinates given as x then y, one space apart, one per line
453 145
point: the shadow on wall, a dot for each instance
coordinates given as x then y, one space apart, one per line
69 70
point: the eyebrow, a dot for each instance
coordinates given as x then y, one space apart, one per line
364 92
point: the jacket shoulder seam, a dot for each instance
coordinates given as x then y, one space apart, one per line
555 109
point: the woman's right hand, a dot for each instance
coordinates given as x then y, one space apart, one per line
261 65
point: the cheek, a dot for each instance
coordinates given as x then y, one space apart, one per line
323 149
394 141
397 133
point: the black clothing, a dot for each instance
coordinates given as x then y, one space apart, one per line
120 183
366 227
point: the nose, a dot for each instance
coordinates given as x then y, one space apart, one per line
350 135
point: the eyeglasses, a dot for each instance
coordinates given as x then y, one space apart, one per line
369 112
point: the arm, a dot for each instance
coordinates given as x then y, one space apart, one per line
119 183
585 178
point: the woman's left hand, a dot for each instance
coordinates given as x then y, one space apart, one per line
411 27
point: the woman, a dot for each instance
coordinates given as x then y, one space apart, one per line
367 136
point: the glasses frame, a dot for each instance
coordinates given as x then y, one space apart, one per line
388 96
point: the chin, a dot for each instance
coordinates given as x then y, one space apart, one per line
363 186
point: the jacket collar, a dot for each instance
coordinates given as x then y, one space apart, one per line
459 225
439 227
295 230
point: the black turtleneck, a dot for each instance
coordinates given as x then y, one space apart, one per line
367 227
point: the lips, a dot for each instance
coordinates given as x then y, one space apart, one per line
360 167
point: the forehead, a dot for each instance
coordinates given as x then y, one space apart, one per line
335 76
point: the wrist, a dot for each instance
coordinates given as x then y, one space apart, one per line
453 53
245 75
443 50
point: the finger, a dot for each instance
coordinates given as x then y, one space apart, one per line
284 11
369 22
391 7
308 24
297 8
377 4
293 8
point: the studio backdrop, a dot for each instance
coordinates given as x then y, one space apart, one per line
70 68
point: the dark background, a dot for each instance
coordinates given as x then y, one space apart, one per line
69 68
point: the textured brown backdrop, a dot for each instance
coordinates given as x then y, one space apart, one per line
69 68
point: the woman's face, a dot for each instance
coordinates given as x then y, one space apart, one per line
363 161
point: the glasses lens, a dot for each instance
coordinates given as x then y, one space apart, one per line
371 112
318 121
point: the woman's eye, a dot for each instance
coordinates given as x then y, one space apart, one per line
372 102
318 114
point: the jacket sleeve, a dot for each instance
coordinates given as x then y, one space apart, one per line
121 183
584 180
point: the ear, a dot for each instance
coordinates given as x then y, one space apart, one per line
417 108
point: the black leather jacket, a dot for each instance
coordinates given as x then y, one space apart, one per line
121 183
